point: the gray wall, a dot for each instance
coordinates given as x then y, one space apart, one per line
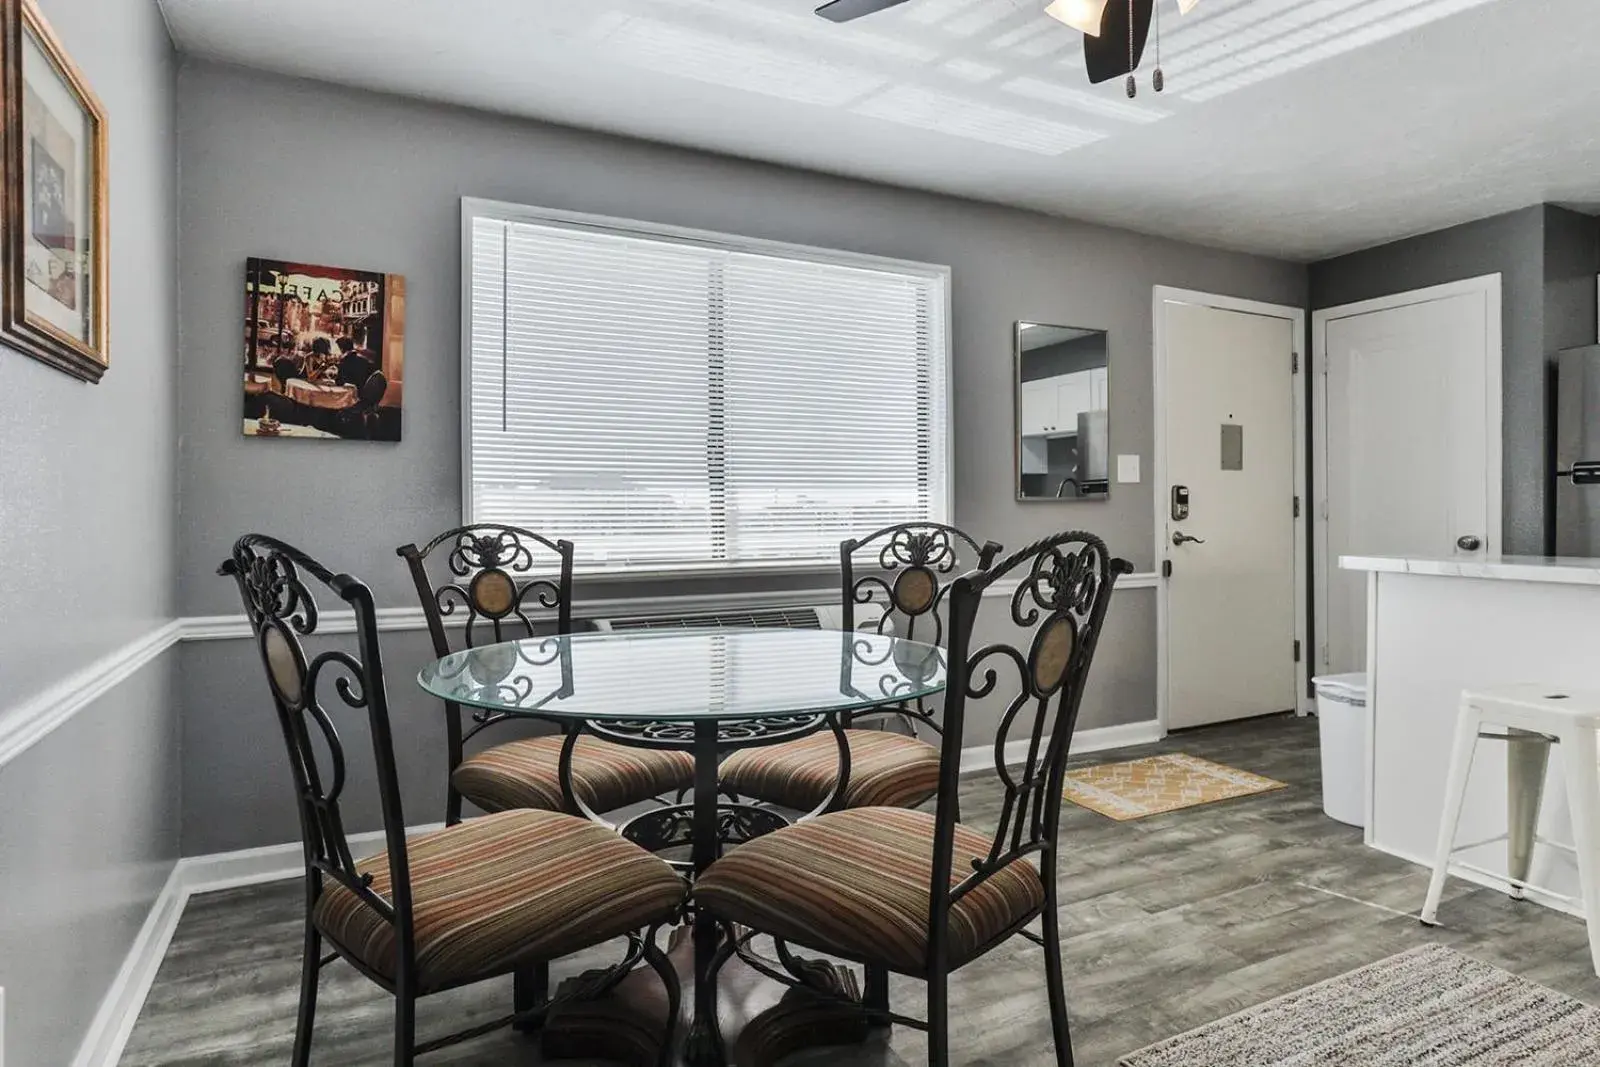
1546 258
1571 264
376 182
239 794
88 816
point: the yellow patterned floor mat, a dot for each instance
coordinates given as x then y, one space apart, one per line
1157 784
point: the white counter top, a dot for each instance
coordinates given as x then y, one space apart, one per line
1559 570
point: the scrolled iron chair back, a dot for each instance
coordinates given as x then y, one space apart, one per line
906 570
275 582
1064 586
499 578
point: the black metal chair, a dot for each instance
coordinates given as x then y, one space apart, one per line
494 896
906 589
921 894
501 578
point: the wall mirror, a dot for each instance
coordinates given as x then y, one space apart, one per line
1062 432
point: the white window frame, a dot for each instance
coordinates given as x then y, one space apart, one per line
504 211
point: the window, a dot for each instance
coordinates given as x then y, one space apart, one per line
669 400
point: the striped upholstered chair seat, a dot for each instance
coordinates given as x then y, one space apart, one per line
606 776
886 770
489 894
854 884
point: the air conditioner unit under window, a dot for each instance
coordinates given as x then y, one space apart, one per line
808 617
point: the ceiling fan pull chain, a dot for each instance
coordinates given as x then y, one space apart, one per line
1133 81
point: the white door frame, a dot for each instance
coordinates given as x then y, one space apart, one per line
1494 418
1162 295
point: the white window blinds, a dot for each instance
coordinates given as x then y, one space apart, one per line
669 402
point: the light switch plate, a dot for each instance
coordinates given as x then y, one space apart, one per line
1128 470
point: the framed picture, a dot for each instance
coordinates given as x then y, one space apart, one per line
324 352
54 292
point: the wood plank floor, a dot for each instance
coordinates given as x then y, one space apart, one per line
1169 922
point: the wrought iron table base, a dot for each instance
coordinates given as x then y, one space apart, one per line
705 825
673 826
626 1024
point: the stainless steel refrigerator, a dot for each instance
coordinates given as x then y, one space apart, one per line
1578 452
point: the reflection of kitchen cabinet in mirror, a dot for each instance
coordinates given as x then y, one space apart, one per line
1062 400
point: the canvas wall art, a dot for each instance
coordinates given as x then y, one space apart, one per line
55 274
324 352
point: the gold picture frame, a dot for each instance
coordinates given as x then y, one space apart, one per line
54 274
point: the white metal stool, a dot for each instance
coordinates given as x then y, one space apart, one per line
1534 718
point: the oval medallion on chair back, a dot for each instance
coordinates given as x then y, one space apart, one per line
1051 654
285 660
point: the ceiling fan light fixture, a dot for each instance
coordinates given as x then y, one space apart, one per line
1084 15
1186 6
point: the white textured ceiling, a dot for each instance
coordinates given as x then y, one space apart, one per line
1297 128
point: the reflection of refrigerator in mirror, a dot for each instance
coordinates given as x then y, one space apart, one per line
1093 448
1578 452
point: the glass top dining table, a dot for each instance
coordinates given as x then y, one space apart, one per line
685 676
704 691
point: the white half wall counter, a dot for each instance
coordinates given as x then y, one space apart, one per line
1436 627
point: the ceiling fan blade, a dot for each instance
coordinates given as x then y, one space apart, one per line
845 10
1106 56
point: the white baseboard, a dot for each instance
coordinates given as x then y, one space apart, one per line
119 1009
269 863
981 757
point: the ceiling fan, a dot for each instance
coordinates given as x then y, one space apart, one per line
1114 31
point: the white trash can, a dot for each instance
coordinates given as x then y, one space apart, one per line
1342 722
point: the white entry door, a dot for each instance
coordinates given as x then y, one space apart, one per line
1408 450
1229 436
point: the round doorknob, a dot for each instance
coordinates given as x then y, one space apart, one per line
1469 542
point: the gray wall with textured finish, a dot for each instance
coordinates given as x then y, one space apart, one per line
89 814
1513 246
87 500
384 193
89 831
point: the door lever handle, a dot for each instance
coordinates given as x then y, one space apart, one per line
1180 538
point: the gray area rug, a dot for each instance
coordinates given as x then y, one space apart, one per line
1429 1007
